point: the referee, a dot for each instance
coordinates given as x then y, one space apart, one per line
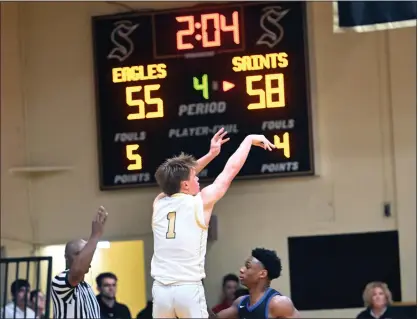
71 295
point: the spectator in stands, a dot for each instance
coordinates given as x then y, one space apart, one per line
377 298
20 289
109 307
37 305
230 284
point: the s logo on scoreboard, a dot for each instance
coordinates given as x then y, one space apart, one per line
123 45
269 22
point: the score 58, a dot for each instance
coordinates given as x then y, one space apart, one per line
141 112
273 84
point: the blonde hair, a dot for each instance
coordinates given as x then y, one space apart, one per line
368 293
173 171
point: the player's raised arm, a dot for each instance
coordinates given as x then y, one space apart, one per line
214 192
215 148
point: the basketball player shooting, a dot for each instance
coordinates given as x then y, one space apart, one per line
180 220
262 302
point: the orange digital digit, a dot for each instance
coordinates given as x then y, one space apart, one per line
234 27
271 96
132 155
159 112
261 104
206 43
181 45
277 89
142 113
283 144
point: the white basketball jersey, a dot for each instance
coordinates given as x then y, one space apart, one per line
180 238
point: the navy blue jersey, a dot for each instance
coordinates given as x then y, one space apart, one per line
260 309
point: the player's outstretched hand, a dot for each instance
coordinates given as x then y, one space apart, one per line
262 141
217 141
99 221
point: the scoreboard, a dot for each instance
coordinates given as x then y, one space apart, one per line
166 81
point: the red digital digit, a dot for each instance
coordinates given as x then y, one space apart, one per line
234 27
206 43
181 45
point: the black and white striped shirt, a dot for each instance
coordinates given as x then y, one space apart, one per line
73 302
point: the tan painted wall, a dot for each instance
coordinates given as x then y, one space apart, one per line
363 88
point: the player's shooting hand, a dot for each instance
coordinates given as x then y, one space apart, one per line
217 141
99 221
262 141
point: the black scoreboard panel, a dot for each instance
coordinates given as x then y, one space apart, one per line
166 81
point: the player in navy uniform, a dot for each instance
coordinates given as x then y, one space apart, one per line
263 302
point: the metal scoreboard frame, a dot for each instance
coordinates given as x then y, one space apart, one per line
244 66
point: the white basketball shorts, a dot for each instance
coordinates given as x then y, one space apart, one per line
179 300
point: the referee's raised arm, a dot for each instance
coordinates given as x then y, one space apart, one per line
78 256
78 261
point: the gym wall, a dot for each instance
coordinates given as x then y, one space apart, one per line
364 117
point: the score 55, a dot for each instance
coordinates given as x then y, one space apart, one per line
141 112
266 95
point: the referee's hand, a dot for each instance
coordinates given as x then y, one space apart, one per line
99 222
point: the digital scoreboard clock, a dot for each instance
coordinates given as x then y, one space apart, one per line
167 81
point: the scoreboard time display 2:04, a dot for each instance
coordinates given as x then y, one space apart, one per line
166 81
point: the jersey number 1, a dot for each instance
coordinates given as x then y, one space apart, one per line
171 229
